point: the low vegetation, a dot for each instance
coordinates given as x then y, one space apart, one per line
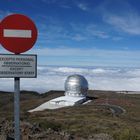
80 122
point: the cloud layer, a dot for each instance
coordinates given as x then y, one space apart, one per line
100 78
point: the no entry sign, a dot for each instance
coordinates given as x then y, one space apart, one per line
18 33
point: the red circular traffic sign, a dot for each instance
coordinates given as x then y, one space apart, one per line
18 33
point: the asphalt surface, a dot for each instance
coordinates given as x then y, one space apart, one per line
116 110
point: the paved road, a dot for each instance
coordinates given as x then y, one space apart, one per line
116 110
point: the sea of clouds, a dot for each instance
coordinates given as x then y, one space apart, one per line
99 78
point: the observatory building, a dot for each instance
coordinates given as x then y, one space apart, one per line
76 88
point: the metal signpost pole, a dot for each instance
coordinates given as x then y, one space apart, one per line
17 108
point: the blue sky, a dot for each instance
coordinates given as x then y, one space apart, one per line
82 32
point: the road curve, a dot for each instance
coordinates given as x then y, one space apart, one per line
116 110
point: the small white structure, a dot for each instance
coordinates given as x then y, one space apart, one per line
76 87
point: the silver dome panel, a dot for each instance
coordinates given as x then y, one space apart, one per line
76 85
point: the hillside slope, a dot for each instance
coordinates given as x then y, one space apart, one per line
94 120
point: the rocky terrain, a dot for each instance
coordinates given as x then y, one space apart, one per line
94 121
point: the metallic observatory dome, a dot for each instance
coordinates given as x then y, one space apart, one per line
76 85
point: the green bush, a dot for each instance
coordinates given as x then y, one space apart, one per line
52 125
126 134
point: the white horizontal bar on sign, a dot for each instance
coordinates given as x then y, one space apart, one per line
17 33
